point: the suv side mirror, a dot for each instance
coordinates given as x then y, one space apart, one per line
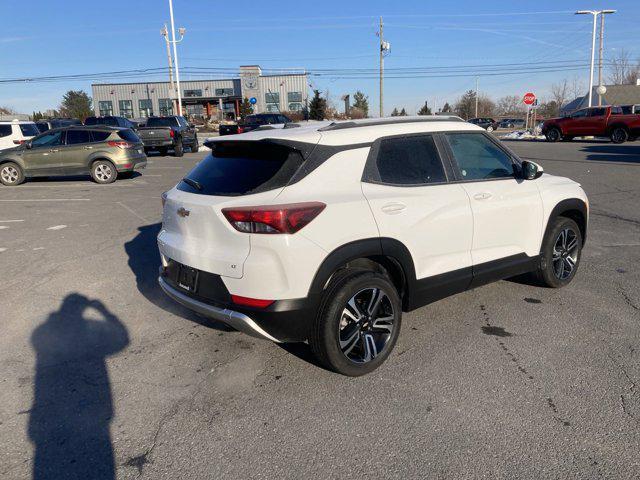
531 170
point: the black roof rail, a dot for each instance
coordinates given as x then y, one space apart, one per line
291 125
387 121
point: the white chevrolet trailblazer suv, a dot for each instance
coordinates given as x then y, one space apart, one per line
327 233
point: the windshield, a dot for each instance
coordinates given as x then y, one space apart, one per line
162 122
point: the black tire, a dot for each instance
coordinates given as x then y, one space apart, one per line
619 135
11 174
371 343
163 151
178 149
196 146
567 138
553 135
554 259
103 172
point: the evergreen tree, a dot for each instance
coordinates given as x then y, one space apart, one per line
395 113
245 108
76 104
425 110
403 113
447 108
317 106
361 102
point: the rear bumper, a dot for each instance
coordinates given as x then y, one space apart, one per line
129 164
282 321
237 320
157 143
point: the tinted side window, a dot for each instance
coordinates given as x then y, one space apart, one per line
78 136
5 130
409 161
579 114
129 136
91 121
478 157
48 139
597 112
97 136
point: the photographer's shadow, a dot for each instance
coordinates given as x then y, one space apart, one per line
72 408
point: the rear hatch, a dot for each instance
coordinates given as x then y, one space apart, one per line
154 134
237 173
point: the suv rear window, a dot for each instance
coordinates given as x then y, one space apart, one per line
29 129
242 168
162 122
129 135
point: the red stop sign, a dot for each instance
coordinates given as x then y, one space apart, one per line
529 98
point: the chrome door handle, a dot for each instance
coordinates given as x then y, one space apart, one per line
394 208
482 196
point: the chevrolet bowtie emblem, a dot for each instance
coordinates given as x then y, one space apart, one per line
183 212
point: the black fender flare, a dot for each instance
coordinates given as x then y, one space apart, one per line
368 247
569 204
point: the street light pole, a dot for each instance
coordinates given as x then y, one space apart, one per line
381 70
595 14
175 54
165 34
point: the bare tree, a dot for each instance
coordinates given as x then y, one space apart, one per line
622 71
509 105
560 91
7 110
576 88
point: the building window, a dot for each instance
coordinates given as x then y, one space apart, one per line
146 110
273 107
166 107
294 97
193 93
126 108
105 108
272 97
224 92
295 107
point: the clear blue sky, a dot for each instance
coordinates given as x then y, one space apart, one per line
79 36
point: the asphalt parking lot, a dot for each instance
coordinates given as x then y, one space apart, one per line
98 370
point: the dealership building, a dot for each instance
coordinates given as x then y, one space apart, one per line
204 98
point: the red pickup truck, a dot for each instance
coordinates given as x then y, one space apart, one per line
595 121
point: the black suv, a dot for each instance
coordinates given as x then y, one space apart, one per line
44 125
111 121
489 124
254 121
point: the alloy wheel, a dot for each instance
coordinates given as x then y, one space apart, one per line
10 174
565 253
104 172
366 325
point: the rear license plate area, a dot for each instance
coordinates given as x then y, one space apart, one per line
187 278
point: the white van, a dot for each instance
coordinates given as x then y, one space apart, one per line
16 132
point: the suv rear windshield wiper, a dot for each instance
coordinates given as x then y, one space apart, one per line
192 183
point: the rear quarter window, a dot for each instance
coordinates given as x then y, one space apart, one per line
129 136
99 136
243 168
5 130
29 129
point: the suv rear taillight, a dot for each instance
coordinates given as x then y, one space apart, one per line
122 145
172 133
19 142
240 129
287 218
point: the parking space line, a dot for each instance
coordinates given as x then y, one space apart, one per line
48 200
11 221
2 227
133 212
57 227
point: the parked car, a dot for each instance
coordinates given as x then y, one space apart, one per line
630 109
512 123
103 152
326 233
111 121
16 132
595 121
164 133
44 125
489 124
251 122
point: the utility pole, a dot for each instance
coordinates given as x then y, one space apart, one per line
175 53
595 14
165 34
381 70
477 81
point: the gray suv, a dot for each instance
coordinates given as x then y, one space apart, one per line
103 152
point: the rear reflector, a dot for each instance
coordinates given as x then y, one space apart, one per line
251 302
19 142
273 219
